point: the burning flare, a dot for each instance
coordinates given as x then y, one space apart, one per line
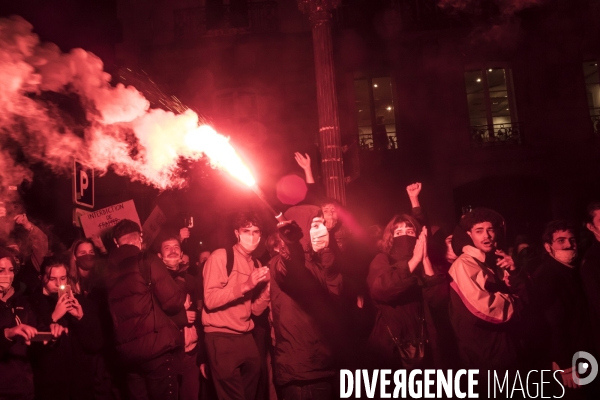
119 130
221 154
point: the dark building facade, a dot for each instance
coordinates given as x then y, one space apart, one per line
493 104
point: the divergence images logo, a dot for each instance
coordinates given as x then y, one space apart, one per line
583 367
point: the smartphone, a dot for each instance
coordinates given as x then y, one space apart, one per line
42 336
188 222
62 289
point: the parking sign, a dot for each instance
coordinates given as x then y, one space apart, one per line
83 185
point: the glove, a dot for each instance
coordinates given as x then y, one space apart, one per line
290 231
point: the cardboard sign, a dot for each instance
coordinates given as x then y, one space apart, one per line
153 225
100 221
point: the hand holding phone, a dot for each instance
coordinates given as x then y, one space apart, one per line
23 330
42 337
64 305
504 261
65 289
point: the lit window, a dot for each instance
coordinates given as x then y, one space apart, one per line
592 85
492 114
375 113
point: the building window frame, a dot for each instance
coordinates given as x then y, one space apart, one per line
490 133
365 140
593 111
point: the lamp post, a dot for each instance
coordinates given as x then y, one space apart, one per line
319 14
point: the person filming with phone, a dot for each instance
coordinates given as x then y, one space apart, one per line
63 367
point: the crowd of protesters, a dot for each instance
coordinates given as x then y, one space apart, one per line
162 321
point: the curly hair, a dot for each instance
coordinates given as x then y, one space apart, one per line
246 218
479 215
388 232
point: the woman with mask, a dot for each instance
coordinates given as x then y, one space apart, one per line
86 265
64 368
87 272
17 328
401 280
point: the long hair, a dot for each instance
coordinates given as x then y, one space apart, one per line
72 271
52 262
388 232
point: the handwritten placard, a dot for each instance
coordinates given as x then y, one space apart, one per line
101 221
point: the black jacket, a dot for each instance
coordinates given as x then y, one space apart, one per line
65 368
559 307
590 276
16 376
304 298
401 300
306 304
140 311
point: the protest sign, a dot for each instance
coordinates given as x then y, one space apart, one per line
100 221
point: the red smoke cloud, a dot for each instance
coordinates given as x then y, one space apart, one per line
121 130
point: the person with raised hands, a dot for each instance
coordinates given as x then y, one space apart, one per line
401 280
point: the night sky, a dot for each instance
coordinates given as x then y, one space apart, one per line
89 24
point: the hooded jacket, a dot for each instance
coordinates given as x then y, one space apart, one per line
305 300
140 311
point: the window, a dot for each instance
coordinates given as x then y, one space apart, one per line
375 113
592 85
492 114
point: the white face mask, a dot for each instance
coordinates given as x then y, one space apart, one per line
172 262
6 281
564 256
249 242
319 236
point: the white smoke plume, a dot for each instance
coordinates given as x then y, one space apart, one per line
121 131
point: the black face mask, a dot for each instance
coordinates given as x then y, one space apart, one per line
403 246
86 262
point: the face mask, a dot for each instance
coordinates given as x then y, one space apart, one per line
172 262
249 242
403 247
319 237
6 281
86 262
565 256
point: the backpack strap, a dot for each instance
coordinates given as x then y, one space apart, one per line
229 262
230 257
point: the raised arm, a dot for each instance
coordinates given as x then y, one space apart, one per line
304 163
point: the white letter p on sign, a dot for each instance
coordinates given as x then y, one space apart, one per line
83 182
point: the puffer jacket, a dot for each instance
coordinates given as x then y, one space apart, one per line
140 312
